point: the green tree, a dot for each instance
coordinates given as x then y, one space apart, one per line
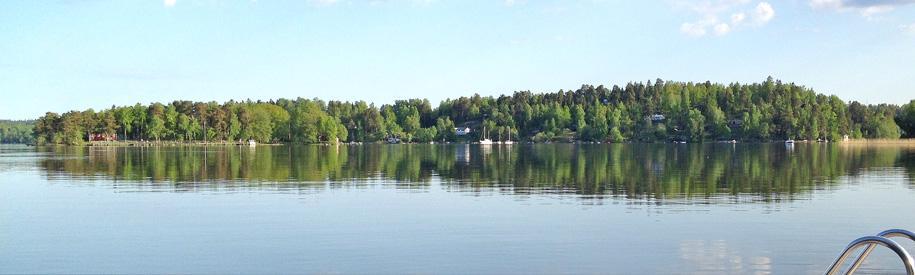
905 118
885 128
155 128
444 129
233 126
615 135
187 127
426 134
108 123
170 119
764 111
411 125
72 129
578 117
696 125
125 117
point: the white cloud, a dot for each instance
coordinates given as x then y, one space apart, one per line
693 29
700 27
169 3
908 29
873 10
323 2
826 4
711 6
763 13
738 18
710 11
722 29
866 8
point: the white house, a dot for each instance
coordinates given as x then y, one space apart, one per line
461 131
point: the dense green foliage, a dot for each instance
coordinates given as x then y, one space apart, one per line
650 112
905 118
16 131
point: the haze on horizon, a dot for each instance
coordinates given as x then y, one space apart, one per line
72 54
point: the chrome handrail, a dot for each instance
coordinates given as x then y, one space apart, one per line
867 251
873 240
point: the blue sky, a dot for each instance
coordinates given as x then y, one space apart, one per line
60 55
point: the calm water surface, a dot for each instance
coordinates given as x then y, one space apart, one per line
694 209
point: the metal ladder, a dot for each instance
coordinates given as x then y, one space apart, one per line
871 242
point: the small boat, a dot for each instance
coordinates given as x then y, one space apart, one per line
790 141
509 141
485 140
252 143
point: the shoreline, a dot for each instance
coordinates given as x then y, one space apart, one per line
134 143
137 143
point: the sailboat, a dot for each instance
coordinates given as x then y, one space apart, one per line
485 140
509 141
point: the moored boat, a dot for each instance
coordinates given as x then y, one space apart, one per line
485 140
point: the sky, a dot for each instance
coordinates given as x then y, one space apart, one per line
61 55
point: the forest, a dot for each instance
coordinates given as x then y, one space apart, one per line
658 111
13 131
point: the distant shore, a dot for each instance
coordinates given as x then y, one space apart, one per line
149 143
138 143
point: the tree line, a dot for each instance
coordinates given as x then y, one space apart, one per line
658 111
16 131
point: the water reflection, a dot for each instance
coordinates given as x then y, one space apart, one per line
767 172
624 208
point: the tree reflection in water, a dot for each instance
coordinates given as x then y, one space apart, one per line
648 172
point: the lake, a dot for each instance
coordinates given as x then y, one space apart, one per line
460 209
